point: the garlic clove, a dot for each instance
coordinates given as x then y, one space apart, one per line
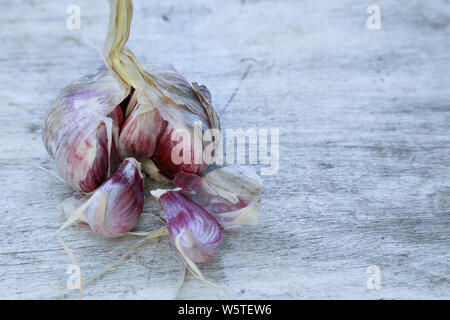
91 161
140 133
114 208
232 194
191 228
174 155
79 129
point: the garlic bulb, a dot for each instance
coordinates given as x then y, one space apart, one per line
114 208
192 230
124 111
106 128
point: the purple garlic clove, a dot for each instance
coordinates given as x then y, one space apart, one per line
140 132
91 170
81 130
114 208
188 152
191 228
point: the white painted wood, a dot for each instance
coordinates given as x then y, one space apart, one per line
365 150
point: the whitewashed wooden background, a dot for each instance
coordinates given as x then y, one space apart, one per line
364 120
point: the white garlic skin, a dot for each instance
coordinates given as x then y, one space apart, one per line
231 194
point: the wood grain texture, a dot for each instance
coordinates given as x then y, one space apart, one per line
364 120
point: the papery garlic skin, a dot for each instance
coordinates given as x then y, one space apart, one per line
187 182
81 130
71 204
232 194
190 226
114 208
188 106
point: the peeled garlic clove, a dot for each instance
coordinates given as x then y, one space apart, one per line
191 228
114 208
81 130
232 194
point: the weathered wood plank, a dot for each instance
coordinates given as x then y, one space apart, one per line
364 120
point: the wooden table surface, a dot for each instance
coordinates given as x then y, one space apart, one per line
364 119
